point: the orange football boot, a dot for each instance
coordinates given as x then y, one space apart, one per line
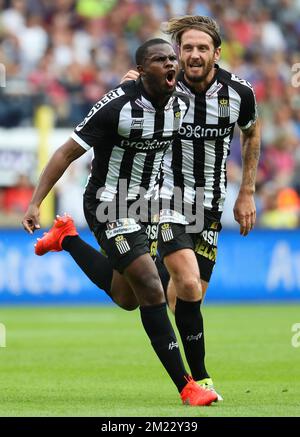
195 395
51 241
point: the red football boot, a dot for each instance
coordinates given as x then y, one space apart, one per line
51 241
195 395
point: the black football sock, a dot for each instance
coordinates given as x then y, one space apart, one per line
163 274
189 322
95 265
163 339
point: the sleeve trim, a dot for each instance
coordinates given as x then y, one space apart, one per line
80 141
249 124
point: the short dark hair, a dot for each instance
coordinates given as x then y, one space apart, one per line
177 26
141 52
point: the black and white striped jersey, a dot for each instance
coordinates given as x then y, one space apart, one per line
198 156
129 137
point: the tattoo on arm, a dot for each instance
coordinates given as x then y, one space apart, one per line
250 141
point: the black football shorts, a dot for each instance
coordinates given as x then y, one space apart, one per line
123 240
173 237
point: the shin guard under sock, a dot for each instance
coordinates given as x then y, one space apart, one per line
162 336
189 322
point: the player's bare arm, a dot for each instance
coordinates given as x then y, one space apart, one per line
53 171
244 209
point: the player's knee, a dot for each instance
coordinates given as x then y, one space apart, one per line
152 292
188 282
154 297
189 288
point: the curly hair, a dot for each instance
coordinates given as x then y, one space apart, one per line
177 26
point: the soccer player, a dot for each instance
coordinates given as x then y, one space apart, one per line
130 129
218 100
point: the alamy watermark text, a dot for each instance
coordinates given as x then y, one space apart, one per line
139 206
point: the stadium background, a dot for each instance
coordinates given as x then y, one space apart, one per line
61 56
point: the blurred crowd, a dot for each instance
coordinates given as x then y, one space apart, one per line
68 53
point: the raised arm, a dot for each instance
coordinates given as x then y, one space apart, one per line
53 171
244 208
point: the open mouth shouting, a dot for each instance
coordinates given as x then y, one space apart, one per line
171 78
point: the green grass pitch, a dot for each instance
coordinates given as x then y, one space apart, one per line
97 361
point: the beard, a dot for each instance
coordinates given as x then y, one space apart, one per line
196 78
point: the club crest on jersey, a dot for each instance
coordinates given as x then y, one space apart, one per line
177 114
122 244
223 107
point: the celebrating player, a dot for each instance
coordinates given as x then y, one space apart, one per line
130 129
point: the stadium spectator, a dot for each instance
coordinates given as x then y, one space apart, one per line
14 201
16 198
93 36
280 207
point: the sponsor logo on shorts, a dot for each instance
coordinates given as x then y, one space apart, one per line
152 231
205 250
166 232
121 226
211 235
206 245
122 244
